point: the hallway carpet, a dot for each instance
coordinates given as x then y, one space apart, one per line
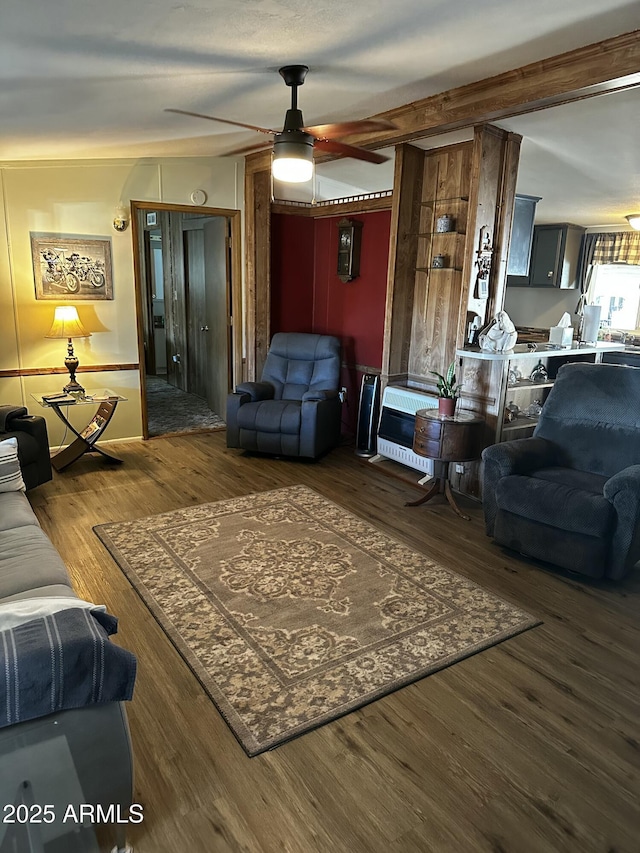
171 410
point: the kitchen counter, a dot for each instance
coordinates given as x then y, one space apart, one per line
522 351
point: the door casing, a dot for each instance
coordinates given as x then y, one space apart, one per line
235 324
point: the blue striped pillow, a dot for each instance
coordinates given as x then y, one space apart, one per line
10 473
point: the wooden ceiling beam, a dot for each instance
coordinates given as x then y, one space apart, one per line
606 66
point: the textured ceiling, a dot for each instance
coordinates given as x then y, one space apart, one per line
91 79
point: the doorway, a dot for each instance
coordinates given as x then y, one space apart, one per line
188 294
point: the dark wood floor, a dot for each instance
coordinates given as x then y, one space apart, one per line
531 746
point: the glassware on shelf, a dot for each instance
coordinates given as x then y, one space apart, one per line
514 375
534 409
511 412
539 373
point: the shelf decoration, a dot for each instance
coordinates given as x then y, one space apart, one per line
483 262
445 224
499 335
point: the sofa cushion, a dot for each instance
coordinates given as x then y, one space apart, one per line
555 504
15 511
55 589
10 473
28 560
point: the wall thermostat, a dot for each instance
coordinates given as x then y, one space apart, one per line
198 197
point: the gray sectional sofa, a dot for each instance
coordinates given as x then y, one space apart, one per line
81 752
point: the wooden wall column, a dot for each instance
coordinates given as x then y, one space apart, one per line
257 189
405 219
494 170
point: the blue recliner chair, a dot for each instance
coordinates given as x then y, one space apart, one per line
295 409
570 494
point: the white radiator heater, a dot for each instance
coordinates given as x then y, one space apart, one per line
397 424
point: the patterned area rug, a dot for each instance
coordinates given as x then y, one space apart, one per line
293 612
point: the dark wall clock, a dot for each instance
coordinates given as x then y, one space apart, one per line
349 239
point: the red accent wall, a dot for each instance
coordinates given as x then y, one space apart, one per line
308 296
292 273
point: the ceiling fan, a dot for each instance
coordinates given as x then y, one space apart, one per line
293 146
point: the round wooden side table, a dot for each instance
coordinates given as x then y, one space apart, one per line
445 439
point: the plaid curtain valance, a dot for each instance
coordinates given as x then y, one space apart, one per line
620 247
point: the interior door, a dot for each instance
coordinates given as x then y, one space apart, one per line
208 308
197 329
217 313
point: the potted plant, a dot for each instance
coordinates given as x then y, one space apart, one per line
448 390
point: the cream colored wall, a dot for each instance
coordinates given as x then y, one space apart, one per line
80 198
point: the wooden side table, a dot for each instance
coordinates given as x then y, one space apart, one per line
446 439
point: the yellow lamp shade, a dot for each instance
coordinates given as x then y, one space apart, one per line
66 324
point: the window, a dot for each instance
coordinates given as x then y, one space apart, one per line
616 288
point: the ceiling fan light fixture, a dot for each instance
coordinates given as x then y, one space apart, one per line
634 220
292 157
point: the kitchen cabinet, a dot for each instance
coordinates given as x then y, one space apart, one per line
554 256
555 251
524 213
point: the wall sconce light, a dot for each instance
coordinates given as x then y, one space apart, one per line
634 220
66 324
121 219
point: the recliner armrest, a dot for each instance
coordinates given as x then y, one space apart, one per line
234 401
318 395
10 413
319 425
256 390
510 457
627 480
521 456
36 468
623 491
33 425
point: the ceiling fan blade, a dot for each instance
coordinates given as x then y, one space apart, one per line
334 147
223 120
346 128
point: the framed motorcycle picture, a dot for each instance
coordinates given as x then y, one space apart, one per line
69 267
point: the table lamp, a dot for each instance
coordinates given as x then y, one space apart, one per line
66 324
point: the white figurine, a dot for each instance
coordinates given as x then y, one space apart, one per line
500 335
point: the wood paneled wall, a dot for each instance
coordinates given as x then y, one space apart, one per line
405 220
258 265
496 153
438 290
427 307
